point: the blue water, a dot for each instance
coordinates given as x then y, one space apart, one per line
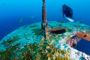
83 46
12 10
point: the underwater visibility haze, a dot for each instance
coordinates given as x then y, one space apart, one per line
11 11
45 29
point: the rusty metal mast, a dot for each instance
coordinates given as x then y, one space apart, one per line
44 16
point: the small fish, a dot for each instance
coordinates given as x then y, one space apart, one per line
31 17
20 20
71 20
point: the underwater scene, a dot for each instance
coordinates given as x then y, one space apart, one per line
44 30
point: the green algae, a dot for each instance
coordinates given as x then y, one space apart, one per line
9 53
38 31
33 26
62 21
16 38
30 55
11 41
32 51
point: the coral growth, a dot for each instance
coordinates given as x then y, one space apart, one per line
38 31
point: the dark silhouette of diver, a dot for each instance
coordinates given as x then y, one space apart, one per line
67 11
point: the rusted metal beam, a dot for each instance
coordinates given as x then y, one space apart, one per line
44 16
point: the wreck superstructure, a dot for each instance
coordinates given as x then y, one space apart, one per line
44 24
44 16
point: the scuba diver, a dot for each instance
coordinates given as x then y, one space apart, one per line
68 12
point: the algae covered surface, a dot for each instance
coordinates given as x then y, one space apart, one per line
28 43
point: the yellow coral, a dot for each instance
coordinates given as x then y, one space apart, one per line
49 58
59 39
42 51
67 53
41 48
47 47
49 54
25 59
38 55
35 44
62 58
48 40
42 39
27 46
57 53
52 50
54 57
47 37
40 43
56 36
37 58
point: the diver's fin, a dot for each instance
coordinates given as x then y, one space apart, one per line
70 19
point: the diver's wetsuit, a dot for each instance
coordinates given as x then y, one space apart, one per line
67 11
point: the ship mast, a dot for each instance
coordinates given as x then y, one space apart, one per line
44 24
44 16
